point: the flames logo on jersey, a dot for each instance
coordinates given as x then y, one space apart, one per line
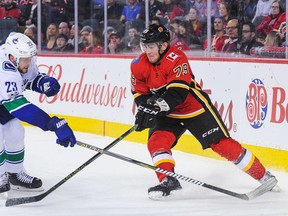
256 103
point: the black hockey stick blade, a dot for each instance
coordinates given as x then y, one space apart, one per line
267 186
24 200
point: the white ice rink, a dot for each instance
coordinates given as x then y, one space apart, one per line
110 186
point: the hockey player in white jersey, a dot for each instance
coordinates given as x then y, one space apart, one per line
18 72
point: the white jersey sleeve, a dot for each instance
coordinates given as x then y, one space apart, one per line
12 82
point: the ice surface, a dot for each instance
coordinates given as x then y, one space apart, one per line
109 186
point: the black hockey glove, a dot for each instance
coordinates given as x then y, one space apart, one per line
146 116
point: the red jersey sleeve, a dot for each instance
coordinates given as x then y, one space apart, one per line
139 87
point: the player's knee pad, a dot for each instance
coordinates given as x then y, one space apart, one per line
161 141
228 148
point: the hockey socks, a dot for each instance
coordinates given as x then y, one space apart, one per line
241 157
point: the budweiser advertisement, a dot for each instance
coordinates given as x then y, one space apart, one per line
251 97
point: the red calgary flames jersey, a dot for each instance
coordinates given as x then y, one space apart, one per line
173 72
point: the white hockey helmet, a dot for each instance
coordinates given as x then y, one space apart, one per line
20 46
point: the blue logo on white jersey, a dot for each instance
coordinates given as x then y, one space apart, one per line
15 41
8 66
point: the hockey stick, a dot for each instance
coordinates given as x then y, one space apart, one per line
267 186
23 200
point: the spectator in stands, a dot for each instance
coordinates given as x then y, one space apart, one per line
84 37
131 14
271 47
29 14
249 9
181 41
231 44
2 11
72 36
274 19
116 44
64 29
134 45
218 39
94 43
194 28
248 38
155 20
263 9
224 11
260 37
62 44
56 11
174 29
201 6
51 35
31 32
23 2
109 30
155 9
10 10
132 34
282 31
273 39
234 7
114 12
171 9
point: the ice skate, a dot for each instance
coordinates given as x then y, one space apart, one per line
166 188
4 183
268 176
24 182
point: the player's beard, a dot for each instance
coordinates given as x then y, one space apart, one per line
23 70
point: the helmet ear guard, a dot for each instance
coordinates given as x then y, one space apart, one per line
20 46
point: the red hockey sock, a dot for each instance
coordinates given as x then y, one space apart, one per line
165 166
241 157
159 146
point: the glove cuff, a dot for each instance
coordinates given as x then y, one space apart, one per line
55 123
162 104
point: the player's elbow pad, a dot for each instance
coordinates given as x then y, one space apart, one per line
175 97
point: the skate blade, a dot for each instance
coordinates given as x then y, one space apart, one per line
20 188
276 189
158 195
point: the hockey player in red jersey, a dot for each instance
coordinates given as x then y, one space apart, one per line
170 101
